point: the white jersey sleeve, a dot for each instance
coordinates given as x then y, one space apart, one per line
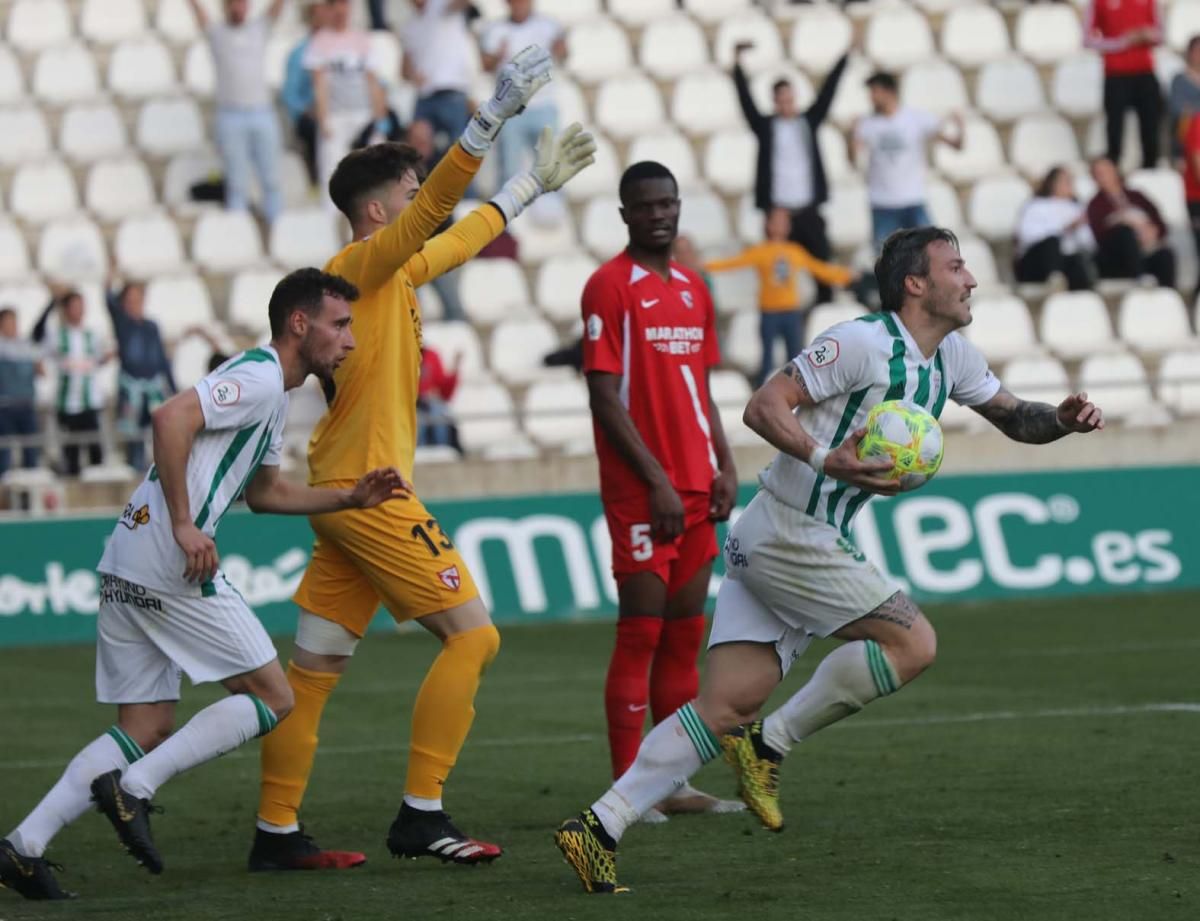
973 382
243 393
274 455
838 361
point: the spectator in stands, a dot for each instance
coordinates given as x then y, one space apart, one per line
77 354
790 172
895 139
378 20
145 380
1129 230
347 93
437 61
1184 99
434 393
1053 234
1191 176
1125 33
297 91
778 262
247 130
503 39
19 361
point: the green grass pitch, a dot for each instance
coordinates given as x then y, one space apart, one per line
1044 770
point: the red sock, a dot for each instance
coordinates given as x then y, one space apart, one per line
627 690
674 676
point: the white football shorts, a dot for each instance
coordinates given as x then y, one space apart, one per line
146 639
790 577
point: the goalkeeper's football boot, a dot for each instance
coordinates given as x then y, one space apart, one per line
130 816
418 833
297 851
591 852
31 877
756 765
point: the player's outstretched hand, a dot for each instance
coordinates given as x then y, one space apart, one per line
843 464
1077 414
199 550
666 513
518 81
378 486
558 160
724 494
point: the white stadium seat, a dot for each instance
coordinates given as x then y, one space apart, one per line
43 191
1039 378
560 284
742 346
704 102
1154 320
973 34
170 126
484 415
304 237
183 171
833 153
749 220
140 69
729 159
87 133
249 295
980 261
106 22
848 214
934 85
898 37
1178 382
28 299
72 248
119 188
385 50
603 233
1117 383
280 45
749 26
23 135
598 179
820 35
1009 88
177 303
34 25
731 392
852 101
715 11
65 74
175 21
941 200
628 106
1182 22
189 365
1077 88
199 75
556 412
14 255
1039 142
148 245
12 82
225 241
1076 324
980 156
734 291
1164 187
1002 328
493 290
672 47
825 316
569 11
703 218
517 348
995 204
1046 33
456 341
572 106
671 149
1096 142
544 231
597 50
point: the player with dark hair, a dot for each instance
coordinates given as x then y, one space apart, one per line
666 471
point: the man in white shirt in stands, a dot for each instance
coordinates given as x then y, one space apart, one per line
437 61
895 138
501 41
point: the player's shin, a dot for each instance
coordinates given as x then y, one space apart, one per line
627 687
71 796
674 675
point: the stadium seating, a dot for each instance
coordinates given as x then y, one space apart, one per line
456 340
1077 88
73 249
669 148
23 135
304 237
1182 22
980 262
1117 382
820 35
731 391
65 74
544 232
729 159
714 11
981 154
598 50
556 412
90 132
628 106
34 25
704 102
14 255
147 246
823 316
517 348
994 205
1039 142
199 76
1075 324
170 126
560 284
43 191
177 303
752 26
973 34
1179 382
1154 320
941 200
493 290
106 22
249 295
175 22
1008 89
1046 33
12 82
484 414
603 233
225 241
598 179
898 37
1002 328
934 85
140 69
670 47
119 188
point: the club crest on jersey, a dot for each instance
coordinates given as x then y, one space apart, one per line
133 518
687 299
226 393
823 353
595 326
450 578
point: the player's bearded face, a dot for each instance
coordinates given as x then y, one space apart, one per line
949 285
328 339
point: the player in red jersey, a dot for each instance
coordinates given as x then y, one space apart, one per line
666 472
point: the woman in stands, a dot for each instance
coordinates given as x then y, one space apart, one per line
1053 234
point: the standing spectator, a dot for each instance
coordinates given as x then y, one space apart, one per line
1184 100
1129 231
346 91
434 394
297 93
500 42
778 262
378 20
790 172
145 380
247 129
78 355
18 367
1191 174
895 138
1053 234
437 62
1125 33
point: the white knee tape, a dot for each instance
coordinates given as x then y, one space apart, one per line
323 637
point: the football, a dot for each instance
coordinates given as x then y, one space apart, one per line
909 436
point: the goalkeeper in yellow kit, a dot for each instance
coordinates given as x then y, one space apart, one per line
399 557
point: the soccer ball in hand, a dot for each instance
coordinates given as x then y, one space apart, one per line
909 436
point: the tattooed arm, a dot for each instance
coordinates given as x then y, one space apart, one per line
1040 423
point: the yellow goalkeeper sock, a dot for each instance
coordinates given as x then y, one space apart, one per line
288 752
445 708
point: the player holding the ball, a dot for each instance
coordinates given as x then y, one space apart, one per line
793 570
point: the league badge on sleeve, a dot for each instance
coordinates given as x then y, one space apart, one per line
823 353
450 578
595 326
226 393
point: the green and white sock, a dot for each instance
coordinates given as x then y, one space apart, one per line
670 754
72 795
847 680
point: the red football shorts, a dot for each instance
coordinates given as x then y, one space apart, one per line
675 562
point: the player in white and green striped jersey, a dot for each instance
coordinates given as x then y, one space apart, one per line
166 608
793 571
